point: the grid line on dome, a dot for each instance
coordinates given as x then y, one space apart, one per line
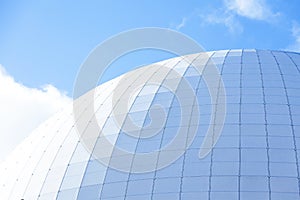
295 64
197 90
59 151
162 138
109 115
60 191
240 124
265 126
212 151
129 174
290 115
139 139
13 193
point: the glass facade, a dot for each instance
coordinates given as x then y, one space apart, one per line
256 156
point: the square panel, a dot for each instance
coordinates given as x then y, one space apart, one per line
195 184
227 142
252 118
93 178
248 141
283 169
91 192
279 119
113 175
117 189
194 195
284 184
282 155
225 168
285 196
68 194
139 187
167 185
160 196
253 130
196 169
279 130
223 154
281 142
224 183
254 195
254 184
254 155
254 169
224 195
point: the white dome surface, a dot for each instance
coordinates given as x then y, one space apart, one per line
256 157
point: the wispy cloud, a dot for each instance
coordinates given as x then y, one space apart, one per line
229 14
22 109
182 24
252 9
295 30
223 18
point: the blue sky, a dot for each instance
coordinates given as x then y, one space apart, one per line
43 44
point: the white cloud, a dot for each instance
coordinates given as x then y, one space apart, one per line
22 109
232 9
224 18
295 30
182 24
253 9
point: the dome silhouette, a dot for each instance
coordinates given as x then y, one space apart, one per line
256 155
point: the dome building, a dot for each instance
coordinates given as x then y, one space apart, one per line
254 152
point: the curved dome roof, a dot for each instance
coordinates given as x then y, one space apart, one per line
255 157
